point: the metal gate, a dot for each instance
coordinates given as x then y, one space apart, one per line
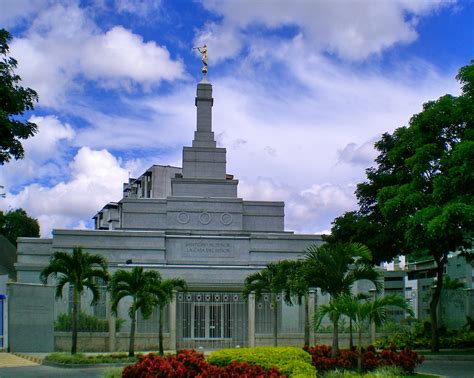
211 320
3 322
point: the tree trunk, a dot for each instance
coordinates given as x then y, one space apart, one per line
335 337
359 356
306 320
131 347
434 304
275 320
160 332
75 315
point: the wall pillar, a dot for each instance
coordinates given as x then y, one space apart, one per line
373 293
172 322
112 325
251 319
312 303
469 302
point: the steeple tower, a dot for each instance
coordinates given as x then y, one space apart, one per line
204 164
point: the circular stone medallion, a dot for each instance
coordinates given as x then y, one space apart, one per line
204 218
226 219
183 217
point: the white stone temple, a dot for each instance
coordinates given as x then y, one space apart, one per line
184 222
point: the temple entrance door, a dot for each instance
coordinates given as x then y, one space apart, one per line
211 320
207 321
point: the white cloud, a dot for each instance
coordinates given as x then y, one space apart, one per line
353 29
95 179
363 154
141 8
44 153
64 45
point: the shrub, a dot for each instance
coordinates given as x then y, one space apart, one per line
347 359
189 363
80 358
85 323
290 361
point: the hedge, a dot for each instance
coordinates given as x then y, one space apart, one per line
290 361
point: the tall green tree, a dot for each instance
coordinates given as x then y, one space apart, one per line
144 289
166 287
80 270
16 223
15 100
335 268
418 199
271 280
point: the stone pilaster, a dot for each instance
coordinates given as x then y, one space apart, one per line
172 320
112 324
251 320
312 303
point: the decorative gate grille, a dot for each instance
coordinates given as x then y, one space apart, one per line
211 320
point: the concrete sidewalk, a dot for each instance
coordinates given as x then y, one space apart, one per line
11 360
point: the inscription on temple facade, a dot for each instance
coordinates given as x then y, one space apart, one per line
207 248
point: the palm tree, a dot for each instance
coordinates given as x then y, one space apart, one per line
363 312
164 297
144 289
296 288
334 268
270 279
80 270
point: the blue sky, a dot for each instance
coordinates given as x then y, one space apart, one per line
302 91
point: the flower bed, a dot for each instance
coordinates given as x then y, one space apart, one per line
406 359
189 363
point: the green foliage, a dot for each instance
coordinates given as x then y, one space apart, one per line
419 198
334 268
291 361
85 323
15 101
17 223
164 296
147 290
80 358
381 372
272 279
113 373
80 270
458 339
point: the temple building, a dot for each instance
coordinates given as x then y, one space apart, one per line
185 222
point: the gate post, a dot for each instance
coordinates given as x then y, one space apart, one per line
469 302
172 322
251 317
312 302
112 324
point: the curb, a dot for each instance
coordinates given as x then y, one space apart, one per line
448 357
34 359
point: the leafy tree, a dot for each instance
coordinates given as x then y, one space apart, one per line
80 270
363 311
143 287
334 268
16 223
271 280
419 197
164 297
14 102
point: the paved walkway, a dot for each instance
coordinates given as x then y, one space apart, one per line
10 360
